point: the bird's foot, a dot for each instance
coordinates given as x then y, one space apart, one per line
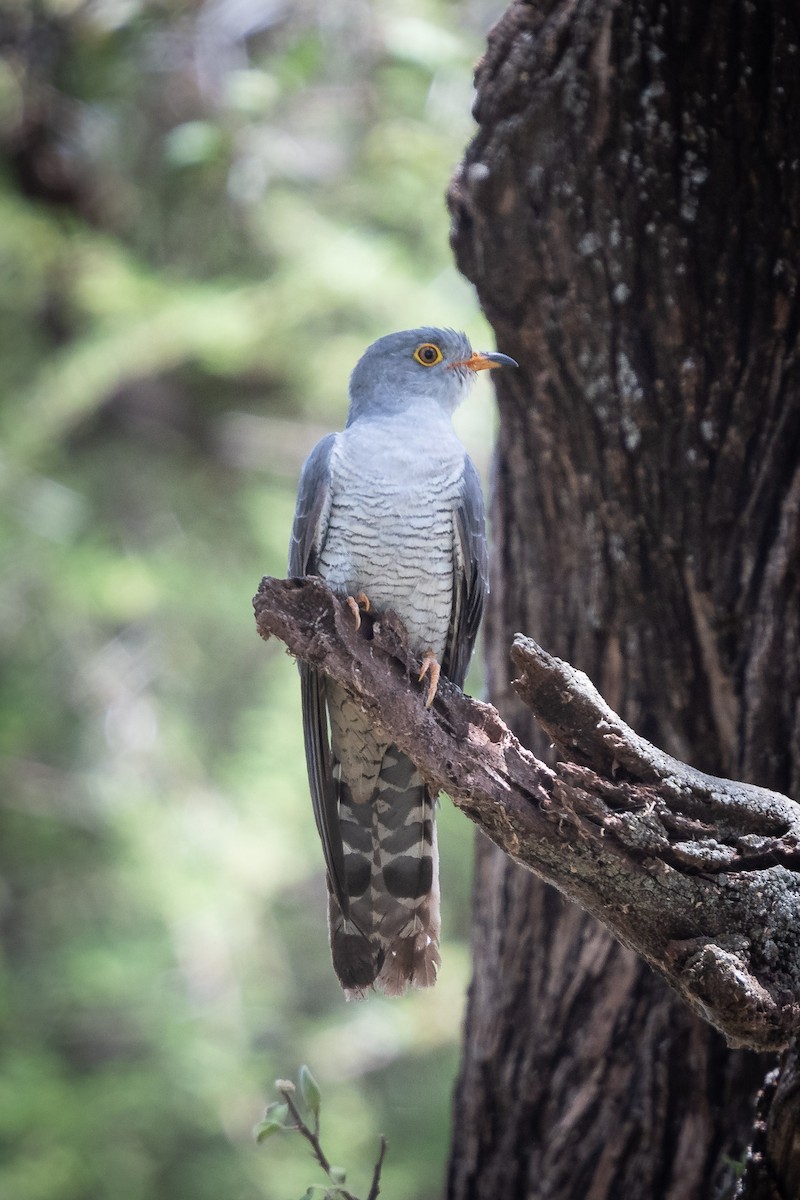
356 604
430 667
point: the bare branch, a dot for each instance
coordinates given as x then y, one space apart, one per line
699 875
375 1188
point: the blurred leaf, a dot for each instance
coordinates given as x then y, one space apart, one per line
192 143
274 1123
421 41
252 92
309 1089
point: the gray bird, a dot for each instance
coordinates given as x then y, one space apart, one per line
390 513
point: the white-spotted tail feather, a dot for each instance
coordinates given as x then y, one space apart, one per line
391 937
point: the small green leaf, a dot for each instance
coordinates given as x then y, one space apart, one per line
273 1122
266 1129
338 1175
277 1112
309 1089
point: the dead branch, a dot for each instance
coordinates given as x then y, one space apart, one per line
698 875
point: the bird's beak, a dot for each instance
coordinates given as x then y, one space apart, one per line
480 360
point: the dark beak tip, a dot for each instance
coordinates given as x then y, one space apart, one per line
502 360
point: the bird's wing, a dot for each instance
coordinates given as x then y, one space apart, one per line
307 540
470 576
312 510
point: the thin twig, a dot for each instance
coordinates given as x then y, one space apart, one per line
375 1190
312 1137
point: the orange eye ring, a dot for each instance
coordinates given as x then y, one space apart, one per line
428 355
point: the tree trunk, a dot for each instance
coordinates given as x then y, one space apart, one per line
630 214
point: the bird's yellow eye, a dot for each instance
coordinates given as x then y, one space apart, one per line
428 355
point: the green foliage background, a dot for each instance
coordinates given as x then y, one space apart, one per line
207 210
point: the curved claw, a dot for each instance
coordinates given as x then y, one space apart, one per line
431 667
356 604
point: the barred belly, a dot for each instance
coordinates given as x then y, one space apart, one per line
390 534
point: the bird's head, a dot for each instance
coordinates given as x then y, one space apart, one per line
435 366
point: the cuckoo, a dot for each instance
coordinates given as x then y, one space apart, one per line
390 514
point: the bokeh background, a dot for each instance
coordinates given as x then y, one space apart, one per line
207 210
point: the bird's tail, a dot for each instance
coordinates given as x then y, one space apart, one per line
391 938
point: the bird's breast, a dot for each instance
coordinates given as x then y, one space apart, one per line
391 526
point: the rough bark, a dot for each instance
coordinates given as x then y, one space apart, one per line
630 214
699 875
773 1167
